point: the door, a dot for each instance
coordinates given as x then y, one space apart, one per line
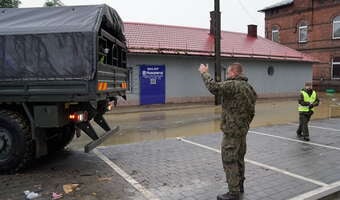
152 84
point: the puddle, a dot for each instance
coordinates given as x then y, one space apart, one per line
195 120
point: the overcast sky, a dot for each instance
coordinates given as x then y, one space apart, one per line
236 14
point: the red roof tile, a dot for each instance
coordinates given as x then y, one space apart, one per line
165 39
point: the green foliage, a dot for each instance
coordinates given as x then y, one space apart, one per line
9 3
53 3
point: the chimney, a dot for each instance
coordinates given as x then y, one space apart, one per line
252 30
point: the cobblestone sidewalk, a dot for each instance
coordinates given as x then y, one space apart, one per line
279 165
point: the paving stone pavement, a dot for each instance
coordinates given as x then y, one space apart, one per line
175 170
172 169
96 180
310 161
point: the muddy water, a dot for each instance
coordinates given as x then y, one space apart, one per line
145 123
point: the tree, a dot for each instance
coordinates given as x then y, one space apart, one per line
9 3
53 3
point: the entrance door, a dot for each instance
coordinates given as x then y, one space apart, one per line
152 84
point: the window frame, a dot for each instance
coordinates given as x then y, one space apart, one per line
301 27
334 63
334 22
276 29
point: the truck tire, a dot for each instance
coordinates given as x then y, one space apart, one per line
16 144
63 136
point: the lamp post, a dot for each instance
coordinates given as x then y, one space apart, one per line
217 35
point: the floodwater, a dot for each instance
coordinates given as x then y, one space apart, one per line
168 121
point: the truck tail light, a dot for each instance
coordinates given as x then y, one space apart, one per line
109 106
102 86
124 85
81 116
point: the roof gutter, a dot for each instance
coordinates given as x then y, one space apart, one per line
167 51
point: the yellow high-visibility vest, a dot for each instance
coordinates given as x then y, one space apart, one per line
311 99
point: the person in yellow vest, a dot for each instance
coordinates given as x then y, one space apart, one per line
307 101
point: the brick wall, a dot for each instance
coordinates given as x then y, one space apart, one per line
318 14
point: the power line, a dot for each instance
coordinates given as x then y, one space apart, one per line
247 11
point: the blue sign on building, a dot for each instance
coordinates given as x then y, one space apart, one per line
152 84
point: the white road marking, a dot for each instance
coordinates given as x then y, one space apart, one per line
295 140
318 127
319 192
147 194
259 164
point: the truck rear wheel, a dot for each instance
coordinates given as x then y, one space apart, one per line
16 144
62 137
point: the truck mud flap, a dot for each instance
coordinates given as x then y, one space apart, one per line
100 140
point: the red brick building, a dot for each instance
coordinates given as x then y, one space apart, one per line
309 26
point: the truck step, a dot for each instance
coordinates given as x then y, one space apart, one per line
100 140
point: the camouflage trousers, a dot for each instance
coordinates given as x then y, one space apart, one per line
233 151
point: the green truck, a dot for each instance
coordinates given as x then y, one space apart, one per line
61 69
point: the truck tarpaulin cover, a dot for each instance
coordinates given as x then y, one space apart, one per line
57 43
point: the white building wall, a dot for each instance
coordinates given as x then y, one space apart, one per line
184 83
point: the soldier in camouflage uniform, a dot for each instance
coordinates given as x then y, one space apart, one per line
238 110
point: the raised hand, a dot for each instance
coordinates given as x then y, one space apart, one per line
203 68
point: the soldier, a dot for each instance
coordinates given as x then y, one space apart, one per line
238 110
307 101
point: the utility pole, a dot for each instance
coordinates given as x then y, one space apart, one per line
217 35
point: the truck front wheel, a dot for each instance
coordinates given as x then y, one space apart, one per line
16 144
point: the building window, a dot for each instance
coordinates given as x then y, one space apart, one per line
275 34
336 68
303 32
336 28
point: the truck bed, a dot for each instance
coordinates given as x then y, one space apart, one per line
65 90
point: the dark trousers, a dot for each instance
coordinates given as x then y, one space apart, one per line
304 118
233 151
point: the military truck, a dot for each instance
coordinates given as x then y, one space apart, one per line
61 69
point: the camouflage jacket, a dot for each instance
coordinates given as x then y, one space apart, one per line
238 103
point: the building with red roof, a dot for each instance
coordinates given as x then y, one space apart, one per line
273 69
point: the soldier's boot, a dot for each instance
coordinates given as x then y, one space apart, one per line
305 137
298 134
228 196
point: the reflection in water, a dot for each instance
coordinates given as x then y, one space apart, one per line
145 125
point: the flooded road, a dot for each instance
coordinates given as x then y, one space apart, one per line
167 121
